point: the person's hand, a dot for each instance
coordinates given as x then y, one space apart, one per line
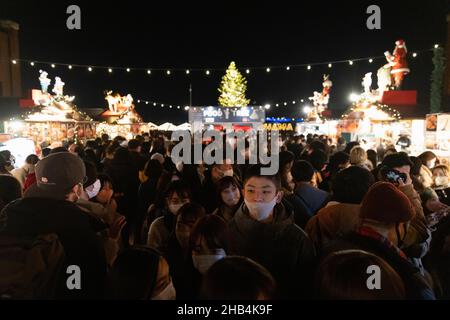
408 177
435 205
116 228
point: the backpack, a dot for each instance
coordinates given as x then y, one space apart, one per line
30 266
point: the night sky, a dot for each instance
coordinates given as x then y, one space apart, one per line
210 35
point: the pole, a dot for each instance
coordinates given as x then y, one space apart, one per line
190 95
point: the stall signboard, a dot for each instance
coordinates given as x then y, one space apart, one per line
209 115
279 126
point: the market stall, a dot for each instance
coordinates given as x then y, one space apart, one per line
52 117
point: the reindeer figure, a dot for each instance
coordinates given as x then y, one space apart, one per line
113 101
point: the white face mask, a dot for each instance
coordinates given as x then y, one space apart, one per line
260 210
168 293
431 163
441 181
93 189
175 207
202 262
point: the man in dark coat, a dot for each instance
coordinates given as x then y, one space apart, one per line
264 231
48 207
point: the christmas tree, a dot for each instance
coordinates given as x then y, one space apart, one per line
232 88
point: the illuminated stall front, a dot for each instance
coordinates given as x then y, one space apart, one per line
52 118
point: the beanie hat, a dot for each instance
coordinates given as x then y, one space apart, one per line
385 203
56 175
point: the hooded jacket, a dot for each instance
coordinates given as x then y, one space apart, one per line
280 246
333 221
82 247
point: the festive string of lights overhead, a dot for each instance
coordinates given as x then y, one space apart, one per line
267 106
168 71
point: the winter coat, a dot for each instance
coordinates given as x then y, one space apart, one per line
160 231
331 222
82 246
416 286
280 246
312 198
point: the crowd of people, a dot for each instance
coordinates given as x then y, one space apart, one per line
139 226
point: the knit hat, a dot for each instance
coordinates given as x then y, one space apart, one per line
386 203
56 175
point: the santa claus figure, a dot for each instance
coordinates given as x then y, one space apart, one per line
398 63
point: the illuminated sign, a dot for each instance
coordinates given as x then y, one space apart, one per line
223 115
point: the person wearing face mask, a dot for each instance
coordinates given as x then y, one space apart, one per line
209 189
429 160
140 273
210 241
48 206
179 253
230 198
383 230
98 202
176 195
264 230
441 185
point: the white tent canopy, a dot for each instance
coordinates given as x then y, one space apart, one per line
167 127
184 126
152 125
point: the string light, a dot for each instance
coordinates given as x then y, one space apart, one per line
149 72
208 71
89 69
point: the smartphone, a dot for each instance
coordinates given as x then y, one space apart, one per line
394 176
